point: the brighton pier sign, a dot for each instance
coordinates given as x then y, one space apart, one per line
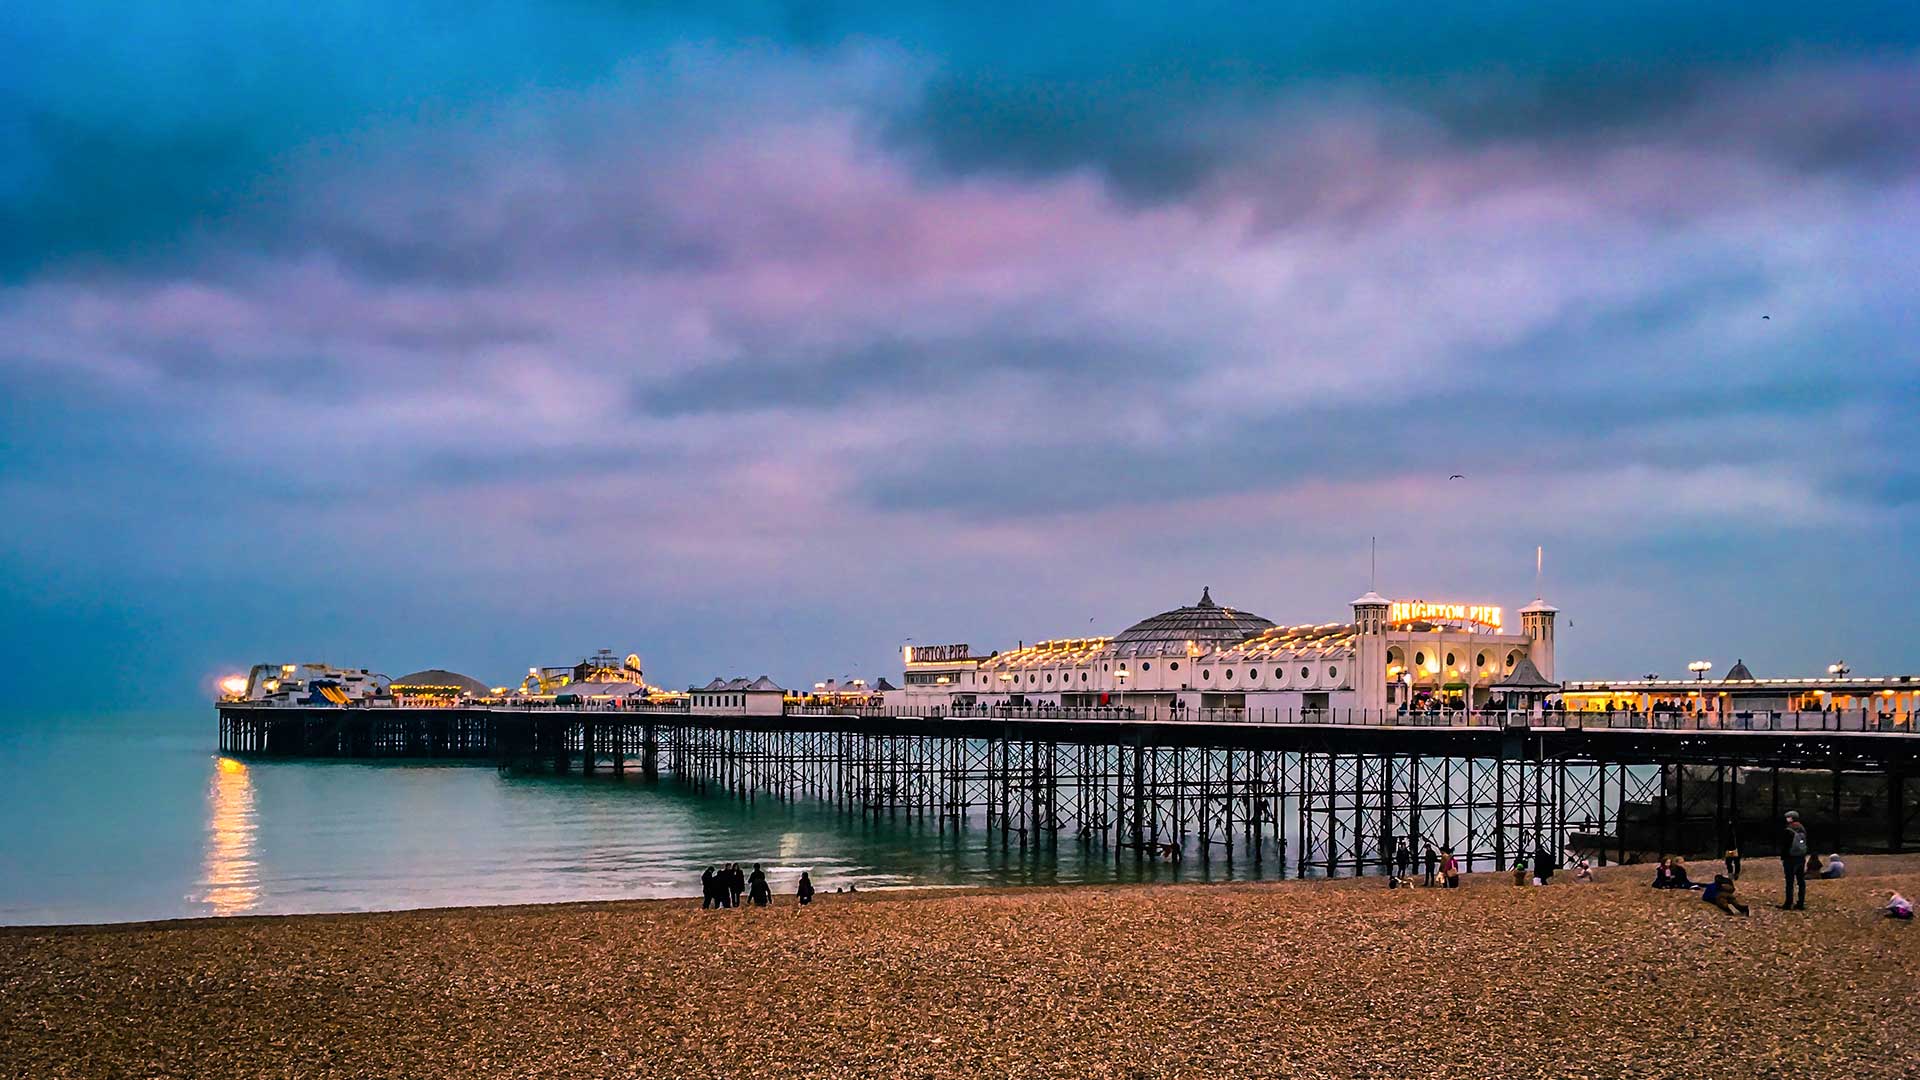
936 654
1485 616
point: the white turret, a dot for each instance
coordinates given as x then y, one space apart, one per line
1370 652
1536 621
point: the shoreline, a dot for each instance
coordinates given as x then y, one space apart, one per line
1611 874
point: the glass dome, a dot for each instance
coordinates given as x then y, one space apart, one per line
1205 624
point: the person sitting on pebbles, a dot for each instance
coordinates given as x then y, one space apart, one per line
1723 894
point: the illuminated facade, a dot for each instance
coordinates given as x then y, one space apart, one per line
1391 655
305 684
1739 696
603 667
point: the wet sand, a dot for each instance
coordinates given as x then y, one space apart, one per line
1334 979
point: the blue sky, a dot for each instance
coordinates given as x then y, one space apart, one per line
760 338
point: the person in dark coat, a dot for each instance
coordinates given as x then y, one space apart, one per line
757 886
1403 856
1432 859
709 896
806 888
736 884
1793 861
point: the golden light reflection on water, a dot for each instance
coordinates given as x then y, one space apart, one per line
230 880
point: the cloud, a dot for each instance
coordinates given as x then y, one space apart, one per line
655 338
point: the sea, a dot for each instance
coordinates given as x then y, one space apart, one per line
118 818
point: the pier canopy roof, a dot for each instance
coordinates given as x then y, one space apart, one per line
1200 627
439 682
1326 641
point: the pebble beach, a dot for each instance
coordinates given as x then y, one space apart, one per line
1309 979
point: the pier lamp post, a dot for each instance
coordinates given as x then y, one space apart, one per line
1838 669
1700 669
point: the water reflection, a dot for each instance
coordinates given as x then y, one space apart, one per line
230 879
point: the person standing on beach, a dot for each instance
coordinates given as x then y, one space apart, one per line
757 885
1793 861
1450 869
709 896
736 883
1403 857
1432 859
806 889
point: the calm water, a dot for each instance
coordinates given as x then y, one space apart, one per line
114 819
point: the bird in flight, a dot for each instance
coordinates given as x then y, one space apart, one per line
1458 476
1769 318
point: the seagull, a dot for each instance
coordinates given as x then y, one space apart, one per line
1458 476
1769 318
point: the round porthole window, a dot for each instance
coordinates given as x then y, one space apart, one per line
1279 674
1083 676
1449 659
1146 667
1253 674
1205 673
1333 673
1306 673
1049 676
1419 659
1480 661
1229 673
1174 666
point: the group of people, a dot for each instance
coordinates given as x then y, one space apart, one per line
1797 863
723 887
1441 866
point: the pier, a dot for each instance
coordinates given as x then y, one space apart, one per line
1325 795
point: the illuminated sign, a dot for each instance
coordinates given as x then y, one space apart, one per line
1412 611
935 654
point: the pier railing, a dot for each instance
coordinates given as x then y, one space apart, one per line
1850 720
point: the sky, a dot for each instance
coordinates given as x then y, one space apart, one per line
764 338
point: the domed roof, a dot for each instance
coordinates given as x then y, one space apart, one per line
442 680
1206 624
